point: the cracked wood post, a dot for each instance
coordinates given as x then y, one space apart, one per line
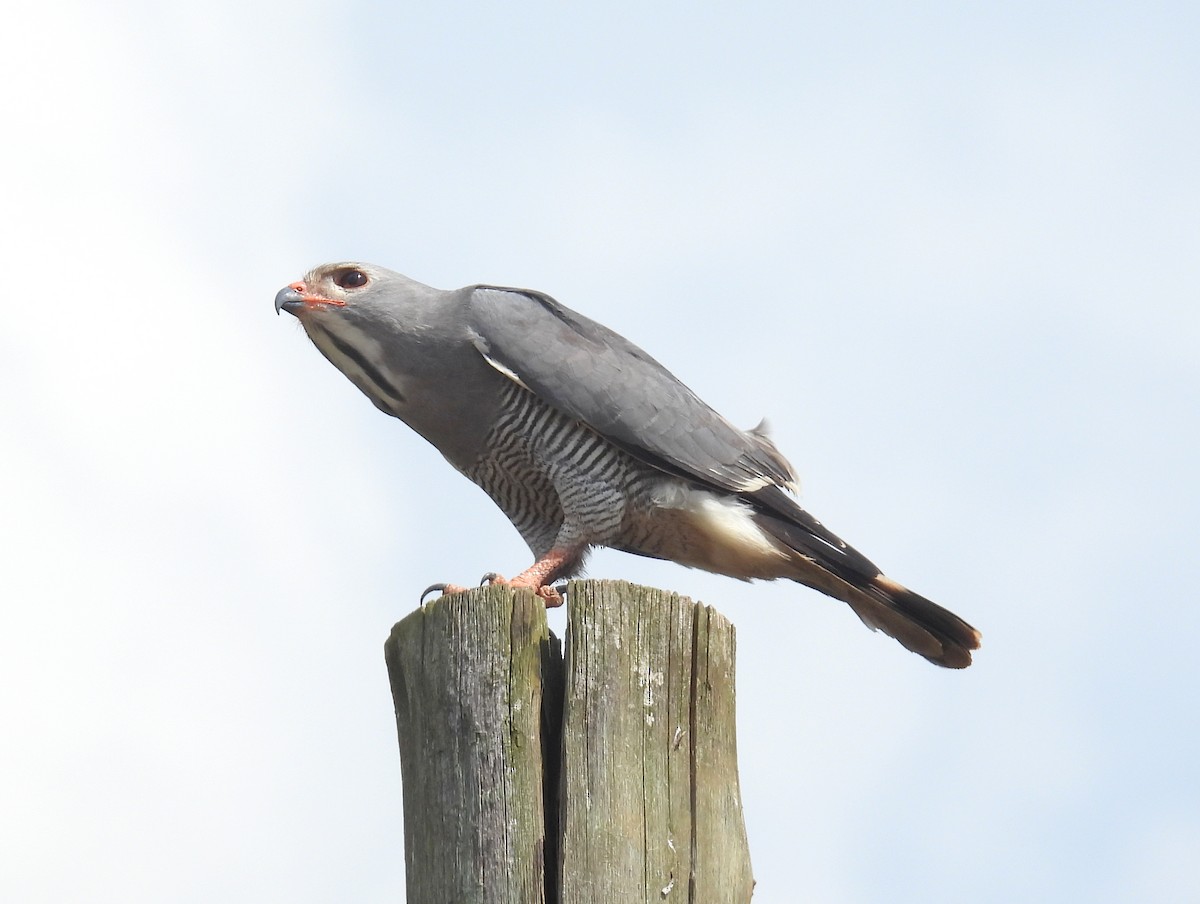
609 777
467 682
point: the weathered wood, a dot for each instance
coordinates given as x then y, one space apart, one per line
649 798
720 853
634 735
466 675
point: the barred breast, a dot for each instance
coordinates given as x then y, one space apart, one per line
557 480
562 485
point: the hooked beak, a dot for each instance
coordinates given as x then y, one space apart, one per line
295 299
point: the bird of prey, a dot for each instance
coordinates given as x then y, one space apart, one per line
584 440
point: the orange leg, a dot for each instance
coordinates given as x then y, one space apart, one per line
541 574
537 577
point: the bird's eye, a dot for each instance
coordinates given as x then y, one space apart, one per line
350 279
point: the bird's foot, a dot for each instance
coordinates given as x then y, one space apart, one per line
442 590
537 577
550 595
447 589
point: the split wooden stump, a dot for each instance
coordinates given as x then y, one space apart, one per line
606 776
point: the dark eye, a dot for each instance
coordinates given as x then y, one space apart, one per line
350 279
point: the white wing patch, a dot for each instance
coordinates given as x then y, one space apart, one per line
508 372
753 484
718 533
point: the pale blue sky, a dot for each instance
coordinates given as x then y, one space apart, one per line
950 251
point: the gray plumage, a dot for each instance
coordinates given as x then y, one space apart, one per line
584 440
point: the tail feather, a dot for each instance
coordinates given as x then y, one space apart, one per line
919 624
827 564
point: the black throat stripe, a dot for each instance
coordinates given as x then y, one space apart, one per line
386 390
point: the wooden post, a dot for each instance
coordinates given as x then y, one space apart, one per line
610 777
466 675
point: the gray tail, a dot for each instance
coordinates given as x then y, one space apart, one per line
919 624
828 564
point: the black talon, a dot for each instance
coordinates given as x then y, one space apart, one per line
428 590
490 578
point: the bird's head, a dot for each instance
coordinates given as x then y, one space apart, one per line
329 287
381 329
351 295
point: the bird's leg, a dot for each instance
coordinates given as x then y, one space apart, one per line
537 577
541 574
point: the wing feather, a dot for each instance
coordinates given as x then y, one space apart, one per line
597 376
